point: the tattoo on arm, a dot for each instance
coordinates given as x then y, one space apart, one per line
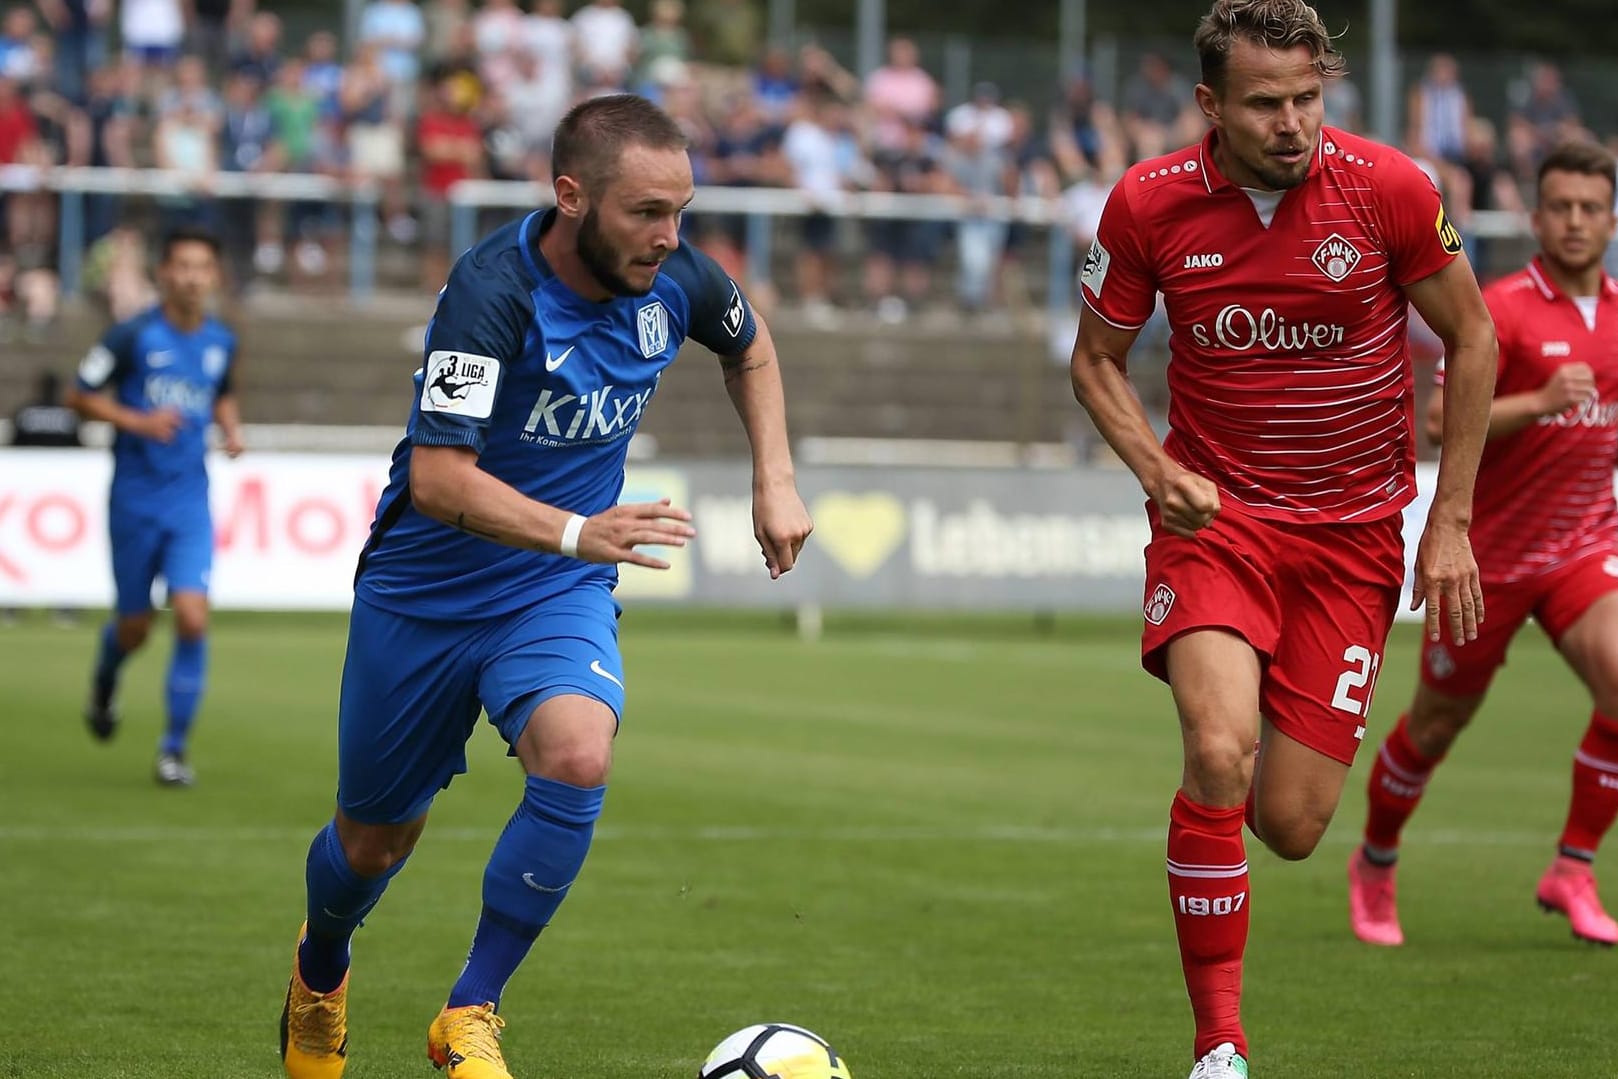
460 523
740 365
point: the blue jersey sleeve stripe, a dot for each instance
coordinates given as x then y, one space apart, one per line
448 436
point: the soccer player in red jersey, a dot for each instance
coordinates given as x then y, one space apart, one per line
1287 254
1546 534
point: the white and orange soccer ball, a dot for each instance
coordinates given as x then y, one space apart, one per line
774 1051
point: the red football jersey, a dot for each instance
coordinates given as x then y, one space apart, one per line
1288 371
1544 494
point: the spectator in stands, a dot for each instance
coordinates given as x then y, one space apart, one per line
729 32
977 162
811 148
1483 183
451 146
246 140
820 73
1345 108
607 39
498 28
375 138
151 31
185 142
746 153
442 22
537 101
191 90
46 422
1030 172
1543 113
775 85
1439 111
19 61
1086 141
212 24
112 116
549 37
665 46
79 28
506 151
115 274
260 55
398 29
900 93
1159 111
900 251
323 73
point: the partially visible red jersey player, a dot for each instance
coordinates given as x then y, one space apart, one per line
1287 254
1547 544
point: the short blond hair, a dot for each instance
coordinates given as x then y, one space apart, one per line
1275 24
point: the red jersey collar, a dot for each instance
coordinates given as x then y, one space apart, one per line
1549 289
1214 180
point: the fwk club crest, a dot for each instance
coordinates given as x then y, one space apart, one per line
652 324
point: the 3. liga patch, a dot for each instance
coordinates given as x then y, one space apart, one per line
461 384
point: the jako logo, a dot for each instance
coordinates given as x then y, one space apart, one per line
598 416
1204 262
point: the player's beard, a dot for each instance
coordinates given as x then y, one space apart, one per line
601 260
1281 177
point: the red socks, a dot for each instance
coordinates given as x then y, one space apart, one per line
1595 789
1398 778
1207 868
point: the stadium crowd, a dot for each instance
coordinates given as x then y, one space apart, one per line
433 93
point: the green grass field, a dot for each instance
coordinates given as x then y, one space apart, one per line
938 844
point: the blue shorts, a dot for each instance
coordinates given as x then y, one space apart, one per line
413 687
178 548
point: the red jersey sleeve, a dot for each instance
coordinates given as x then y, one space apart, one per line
1117 281
1421 241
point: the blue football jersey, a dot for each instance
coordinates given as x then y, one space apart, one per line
547 387
149 365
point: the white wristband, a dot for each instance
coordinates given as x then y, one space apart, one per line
570 535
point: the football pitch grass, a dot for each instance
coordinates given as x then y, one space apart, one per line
939 844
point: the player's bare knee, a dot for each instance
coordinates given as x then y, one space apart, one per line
373 849
1295 836
191 623
1434 726
579 764
1218 767
133 630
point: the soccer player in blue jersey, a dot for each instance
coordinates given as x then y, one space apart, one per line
160 379
487 580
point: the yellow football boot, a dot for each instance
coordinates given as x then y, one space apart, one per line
314 1028
466 1043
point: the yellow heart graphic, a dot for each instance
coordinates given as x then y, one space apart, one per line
859 531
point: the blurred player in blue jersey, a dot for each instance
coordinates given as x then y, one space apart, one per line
160 379
487 580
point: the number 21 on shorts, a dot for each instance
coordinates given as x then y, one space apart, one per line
1356 685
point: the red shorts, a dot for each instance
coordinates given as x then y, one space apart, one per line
1556 599
1315 601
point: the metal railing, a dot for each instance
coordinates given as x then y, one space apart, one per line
759 205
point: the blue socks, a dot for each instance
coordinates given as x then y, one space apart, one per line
188 670
108 659
534 864
339 899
